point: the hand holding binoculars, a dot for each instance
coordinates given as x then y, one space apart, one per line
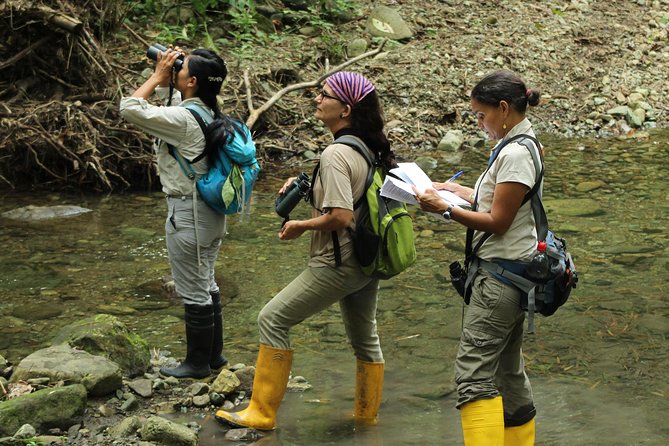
155 49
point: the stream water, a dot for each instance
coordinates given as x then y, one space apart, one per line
598 367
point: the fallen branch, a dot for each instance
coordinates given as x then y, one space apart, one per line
256 112
23 53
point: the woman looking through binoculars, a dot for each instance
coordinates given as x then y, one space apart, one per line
348 105
193 230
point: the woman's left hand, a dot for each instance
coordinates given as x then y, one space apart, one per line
166 59
291 230
430 201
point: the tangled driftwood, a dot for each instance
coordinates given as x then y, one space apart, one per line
57 94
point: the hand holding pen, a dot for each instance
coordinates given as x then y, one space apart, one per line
448 185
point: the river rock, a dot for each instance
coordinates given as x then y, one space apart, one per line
127 428
452 140
32 213
387 22
99 375
106 335
59 407
574 207
165 432
225 383
356 47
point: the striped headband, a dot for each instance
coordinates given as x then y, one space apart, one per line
349 87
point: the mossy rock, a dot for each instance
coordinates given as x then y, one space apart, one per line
105 335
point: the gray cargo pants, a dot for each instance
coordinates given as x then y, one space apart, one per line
193 268
490 359
316 289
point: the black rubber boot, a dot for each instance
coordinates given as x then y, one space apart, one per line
199 333
217 360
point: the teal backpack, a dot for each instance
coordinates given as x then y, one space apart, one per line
228 184
383 240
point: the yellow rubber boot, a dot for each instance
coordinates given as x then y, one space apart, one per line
269 386
522 435
368 387
483 422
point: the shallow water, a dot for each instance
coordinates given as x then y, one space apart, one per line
598 367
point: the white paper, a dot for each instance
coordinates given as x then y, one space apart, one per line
412 174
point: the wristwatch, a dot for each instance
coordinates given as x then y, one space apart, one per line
447 213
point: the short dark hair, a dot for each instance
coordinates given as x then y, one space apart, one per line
506 86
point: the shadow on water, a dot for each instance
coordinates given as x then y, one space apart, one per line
598 367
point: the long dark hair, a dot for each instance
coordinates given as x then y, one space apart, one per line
505 86
367 121
210 71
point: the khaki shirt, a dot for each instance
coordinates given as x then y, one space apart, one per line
513 165
174 125
339 184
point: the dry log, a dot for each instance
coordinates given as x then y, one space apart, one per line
59 19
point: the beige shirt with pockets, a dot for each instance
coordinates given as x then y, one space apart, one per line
174 125
514 164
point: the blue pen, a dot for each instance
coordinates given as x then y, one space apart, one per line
455 177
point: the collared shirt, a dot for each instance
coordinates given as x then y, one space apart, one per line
513 165
174 125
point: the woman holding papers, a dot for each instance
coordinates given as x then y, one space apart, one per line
348 105
494 393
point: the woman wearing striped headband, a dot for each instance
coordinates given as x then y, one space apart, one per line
348 105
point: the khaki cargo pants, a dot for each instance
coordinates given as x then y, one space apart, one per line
490 359
316 289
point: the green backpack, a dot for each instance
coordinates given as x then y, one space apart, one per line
383 240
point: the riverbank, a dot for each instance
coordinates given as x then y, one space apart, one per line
600 64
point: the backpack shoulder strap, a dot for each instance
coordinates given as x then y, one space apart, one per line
533 194
192 108
359 146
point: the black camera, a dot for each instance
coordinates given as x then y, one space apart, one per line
458 277
297 190
155 49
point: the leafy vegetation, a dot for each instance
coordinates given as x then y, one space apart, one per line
239 24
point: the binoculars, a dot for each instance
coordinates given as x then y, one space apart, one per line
155 49
297 190
458 277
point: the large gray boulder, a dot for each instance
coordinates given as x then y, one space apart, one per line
98 374
387 22
105 335
57 407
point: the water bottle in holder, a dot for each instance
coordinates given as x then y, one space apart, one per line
539 269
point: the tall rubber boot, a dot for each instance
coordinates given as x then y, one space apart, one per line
217 359
368 387
199 333
483 422
269 386
522 435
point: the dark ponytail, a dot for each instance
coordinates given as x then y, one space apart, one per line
210 71
367 121
505 86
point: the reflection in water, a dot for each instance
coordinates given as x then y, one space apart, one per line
598 367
